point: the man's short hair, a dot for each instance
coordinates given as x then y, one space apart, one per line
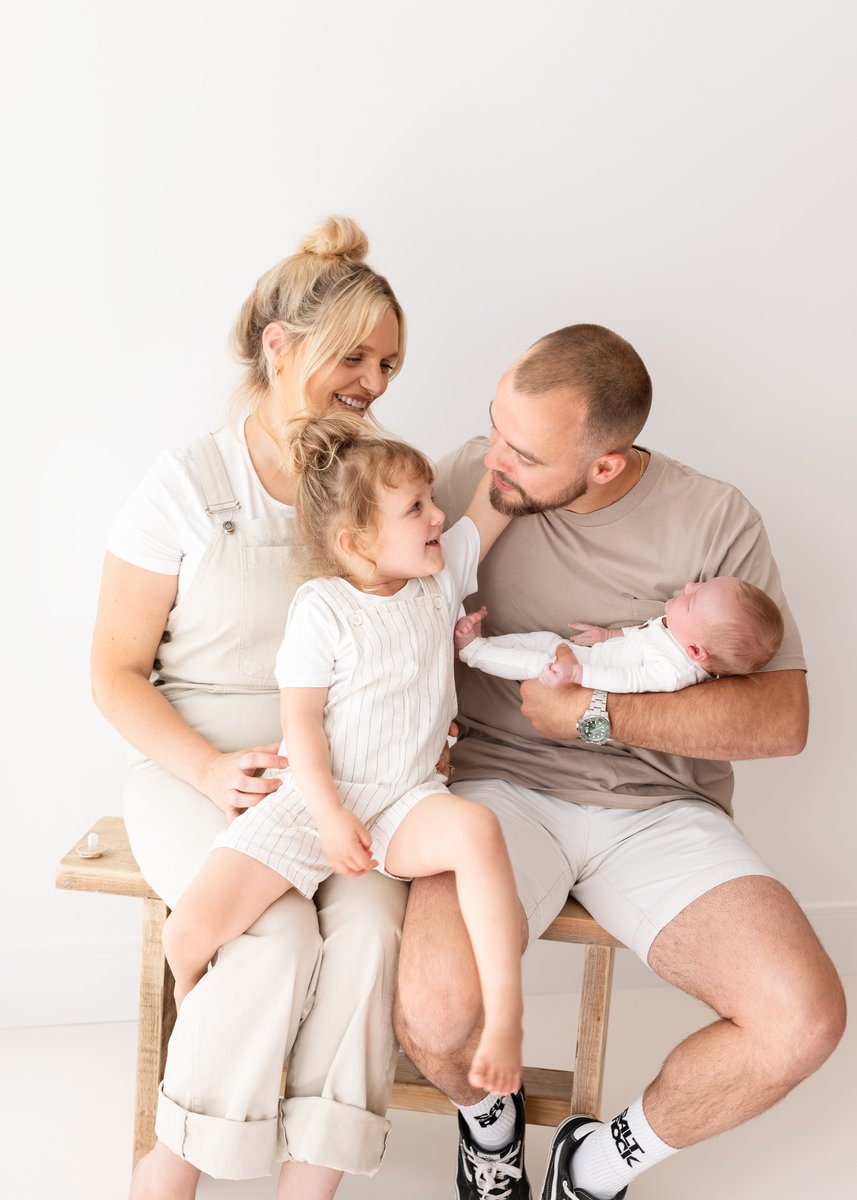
602 365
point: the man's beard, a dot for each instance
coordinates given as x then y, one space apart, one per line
527 505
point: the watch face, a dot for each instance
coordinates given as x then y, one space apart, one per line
594 729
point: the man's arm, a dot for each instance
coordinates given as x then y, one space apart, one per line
751 716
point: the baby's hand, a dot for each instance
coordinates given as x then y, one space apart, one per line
564 670
467 628
590 634
347 843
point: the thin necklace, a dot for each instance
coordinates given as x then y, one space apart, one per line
643 465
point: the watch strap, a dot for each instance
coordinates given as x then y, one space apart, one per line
598 704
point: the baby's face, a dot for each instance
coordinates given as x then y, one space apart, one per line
698 605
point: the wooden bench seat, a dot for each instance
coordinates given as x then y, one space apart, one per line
551 1094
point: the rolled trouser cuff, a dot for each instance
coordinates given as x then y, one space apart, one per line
329 1134
222 1148
308 1129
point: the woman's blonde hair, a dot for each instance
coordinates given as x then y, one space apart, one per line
327 300
341 464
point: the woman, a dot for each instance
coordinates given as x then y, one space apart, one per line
200 569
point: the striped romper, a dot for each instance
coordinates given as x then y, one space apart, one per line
386 723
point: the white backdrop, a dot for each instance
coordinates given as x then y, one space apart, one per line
682 173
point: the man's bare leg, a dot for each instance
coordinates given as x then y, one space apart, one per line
439 1022
746 949
442 833
438 1010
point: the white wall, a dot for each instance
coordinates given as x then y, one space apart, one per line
683 173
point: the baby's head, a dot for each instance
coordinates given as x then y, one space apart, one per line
726 625
350 477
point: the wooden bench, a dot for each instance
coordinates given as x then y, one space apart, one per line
551 1094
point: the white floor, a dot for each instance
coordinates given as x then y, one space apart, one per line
66 1112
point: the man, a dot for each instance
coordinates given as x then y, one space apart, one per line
622 800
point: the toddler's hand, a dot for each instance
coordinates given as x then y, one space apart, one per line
347 844
467 628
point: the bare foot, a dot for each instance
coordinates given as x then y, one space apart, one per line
496 1065
162 1175
467 628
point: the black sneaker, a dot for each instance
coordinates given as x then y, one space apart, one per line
558 1184
493 1174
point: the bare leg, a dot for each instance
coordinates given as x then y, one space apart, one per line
228 893
304 1181
437 1015
447 833
162 1175
746 949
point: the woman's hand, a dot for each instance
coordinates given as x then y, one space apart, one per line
235 781
347 843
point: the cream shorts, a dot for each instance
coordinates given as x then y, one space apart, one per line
279 832
633 869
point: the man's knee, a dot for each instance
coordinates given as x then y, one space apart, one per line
439 1003
807 1025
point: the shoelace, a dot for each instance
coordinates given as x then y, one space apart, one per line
490 1175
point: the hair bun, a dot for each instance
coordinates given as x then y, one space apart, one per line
337 237
315 443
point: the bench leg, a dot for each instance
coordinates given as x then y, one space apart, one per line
592 1031
157 1015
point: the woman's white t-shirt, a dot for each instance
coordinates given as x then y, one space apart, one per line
164 526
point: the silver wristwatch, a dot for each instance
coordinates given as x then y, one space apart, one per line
594 725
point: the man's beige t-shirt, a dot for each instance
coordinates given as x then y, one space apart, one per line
614 567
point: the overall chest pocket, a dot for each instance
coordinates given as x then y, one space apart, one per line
270 575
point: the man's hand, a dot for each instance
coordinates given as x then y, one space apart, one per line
235 781
444 765
347 843
555 710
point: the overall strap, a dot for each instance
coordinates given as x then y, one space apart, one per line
429 586
337 595
219 499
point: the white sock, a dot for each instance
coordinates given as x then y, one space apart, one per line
617 1152
491 1121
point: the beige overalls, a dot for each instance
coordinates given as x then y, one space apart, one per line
321 972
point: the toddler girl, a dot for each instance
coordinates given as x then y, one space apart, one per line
367 696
